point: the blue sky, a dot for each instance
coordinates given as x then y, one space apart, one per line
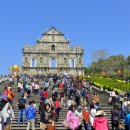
91 24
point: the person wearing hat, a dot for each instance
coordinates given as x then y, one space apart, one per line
86 118
100 121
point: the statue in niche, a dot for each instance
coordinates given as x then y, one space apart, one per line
41 60
26 60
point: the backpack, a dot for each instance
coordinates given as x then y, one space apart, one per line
30 112
21 103
10 96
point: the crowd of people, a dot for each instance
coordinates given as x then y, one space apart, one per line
53 93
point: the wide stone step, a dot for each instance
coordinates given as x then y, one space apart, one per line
103 105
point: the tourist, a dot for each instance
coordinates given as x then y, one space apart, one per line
91 87
19 86
2 125
5 91
84 96
100 121
33 85
77 97
63 104
69 102
86 118
30 115
50 124
46 84
60 86
11 81
29 90
8 116
57 105
10 96
21 89
78 113
113 95
71 119
92 114
96 99
36 87
35 107
21 110
25 96
115 117
45 113
45 94
127 121
49 101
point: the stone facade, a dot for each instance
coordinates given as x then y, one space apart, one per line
53 54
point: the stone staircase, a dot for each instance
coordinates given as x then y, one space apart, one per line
106 108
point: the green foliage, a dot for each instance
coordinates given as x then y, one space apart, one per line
128 60
109 83
112 67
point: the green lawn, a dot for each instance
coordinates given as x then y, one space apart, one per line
108 83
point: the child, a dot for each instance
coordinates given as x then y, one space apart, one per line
51 124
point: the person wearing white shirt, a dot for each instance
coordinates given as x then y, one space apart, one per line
92 114
113 95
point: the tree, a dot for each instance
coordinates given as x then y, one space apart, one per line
128 60
99 55
112 66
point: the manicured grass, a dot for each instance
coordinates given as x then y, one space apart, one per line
108 83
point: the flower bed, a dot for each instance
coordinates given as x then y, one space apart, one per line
108 83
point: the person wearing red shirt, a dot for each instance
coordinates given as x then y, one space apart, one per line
57 108
60 86
86 117
45 94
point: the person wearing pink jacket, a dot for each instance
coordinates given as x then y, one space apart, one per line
71 119
100 121
5 91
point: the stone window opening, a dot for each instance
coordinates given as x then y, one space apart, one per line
53 63
33 62
53 48
65 61
72 63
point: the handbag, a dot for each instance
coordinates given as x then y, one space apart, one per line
65 124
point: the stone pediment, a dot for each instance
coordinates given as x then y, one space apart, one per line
52 35
52 31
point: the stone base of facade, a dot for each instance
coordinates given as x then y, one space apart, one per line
34 71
